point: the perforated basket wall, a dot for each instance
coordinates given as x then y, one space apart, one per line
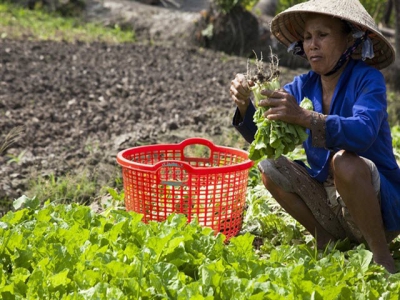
164 179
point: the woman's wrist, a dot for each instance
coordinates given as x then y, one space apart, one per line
243 108
318 129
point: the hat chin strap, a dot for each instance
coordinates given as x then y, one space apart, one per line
346 55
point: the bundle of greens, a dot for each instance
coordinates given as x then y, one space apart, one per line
273 138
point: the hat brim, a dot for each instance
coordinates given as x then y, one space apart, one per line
288 27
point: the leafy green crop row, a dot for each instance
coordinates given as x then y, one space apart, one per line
70 252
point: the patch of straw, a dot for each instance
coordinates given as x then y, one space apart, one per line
11 138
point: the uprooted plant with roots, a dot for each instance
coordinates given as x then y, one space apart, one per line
273 137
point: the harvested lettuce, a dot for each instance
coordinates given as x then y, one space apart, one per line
273 138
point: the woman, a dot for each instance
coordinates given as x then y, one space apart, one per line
351 185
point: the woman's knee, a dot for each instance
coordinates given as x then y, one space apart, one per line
266 175
267 181
348 165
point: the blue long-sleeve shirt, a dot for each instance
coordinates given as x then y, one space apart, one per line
357 122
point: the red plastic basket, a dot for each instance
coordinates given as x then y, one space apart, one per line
164 179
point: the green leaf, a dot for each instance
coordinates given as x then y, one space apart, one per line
25 202
242 246
211 273
60 278
103 291
361 259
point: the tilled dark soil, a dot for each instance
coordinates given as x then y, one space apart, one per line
80 104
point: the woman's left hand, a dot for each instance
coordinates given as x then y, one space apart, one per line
284 107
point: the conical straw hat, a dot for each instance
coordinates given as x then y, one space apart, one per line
288 26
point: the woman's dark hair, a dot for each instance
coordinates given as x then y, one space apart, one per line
346 29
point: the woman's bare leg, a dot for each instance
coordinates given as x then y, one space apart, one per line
295 206
353 182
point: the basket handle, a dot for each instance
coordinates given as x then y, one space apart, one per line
197 140
209 147
164 166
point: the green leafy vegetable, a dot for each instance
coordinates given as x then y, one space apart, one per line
273 138
63 251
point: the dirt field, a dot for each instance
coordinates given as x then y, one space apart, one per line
80 104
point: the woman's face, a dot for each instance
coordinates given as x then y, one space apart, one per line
325 41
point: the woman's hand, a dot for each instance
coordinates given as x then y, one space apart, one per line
240 92
284 107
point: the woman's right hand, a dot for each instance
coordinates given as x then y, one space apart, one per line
240 92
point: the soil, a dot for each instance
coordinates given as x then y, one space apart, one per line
78 105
